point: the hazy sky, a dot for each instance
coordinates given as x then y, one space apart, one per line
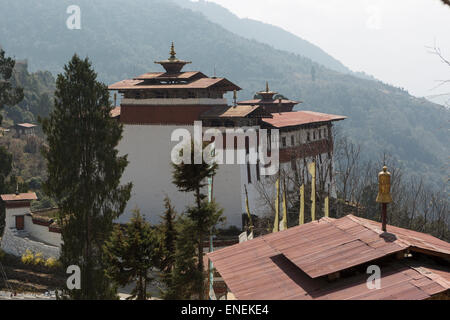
384 38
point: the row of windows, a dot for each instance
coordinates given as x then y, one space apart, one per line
174 94
311 135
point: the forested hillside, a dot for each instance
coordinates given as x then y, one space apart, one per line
38 92
124 40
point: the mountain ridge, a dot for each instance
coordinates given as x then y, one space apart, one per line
125 43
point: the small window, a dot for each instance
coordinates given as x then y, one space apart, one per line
308 136
292 140
283 142
320 134
314 135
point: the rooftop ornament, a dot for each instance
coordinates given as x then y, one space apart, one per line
173 64
267 94
384 194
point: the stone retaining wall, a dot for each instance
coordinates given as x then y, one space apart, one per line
16 245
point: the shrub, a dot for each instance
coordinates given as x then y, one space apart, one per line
38 259
28 257
52 263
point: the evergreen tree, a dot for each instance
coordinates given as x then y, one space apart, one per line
84 172
185 277
9 95
131 253
168 236
5 169
203 216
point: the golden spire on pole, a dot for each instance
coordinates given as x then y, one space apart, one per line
384 194
267 86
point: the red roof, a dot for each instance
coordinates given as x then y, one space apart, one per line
261 101
165 75
202 83
19 197
296 118
290 264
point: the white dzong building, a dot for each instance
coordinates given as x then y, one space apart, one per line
155 104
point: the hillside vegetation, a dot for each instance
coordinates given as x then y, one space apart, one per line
124 43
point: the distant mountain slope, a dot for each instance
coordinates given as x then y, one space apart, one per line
263 32
123 40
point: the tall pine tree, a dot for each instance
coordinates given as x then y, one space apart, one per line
9 95
185 279
84 172
168 236
203 216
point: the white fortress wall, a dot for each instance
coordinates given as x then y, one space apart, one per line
149 153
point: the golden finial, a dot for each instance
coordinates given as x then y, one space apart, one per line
384 186
384 194
234 98
267 86
172 52
17 189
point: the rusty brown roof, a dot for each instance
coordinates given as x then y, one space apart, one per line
296 118
202 83
165 75
19 197
416 240
290 264
228 111
261 101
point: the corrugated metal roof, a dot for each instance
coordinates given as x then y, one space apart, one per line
289 264
19 197
296 118
413 239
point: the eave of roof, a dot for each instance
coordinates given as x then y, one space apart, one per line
202 83
298 118
238 111
261 101
19 197
165 75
